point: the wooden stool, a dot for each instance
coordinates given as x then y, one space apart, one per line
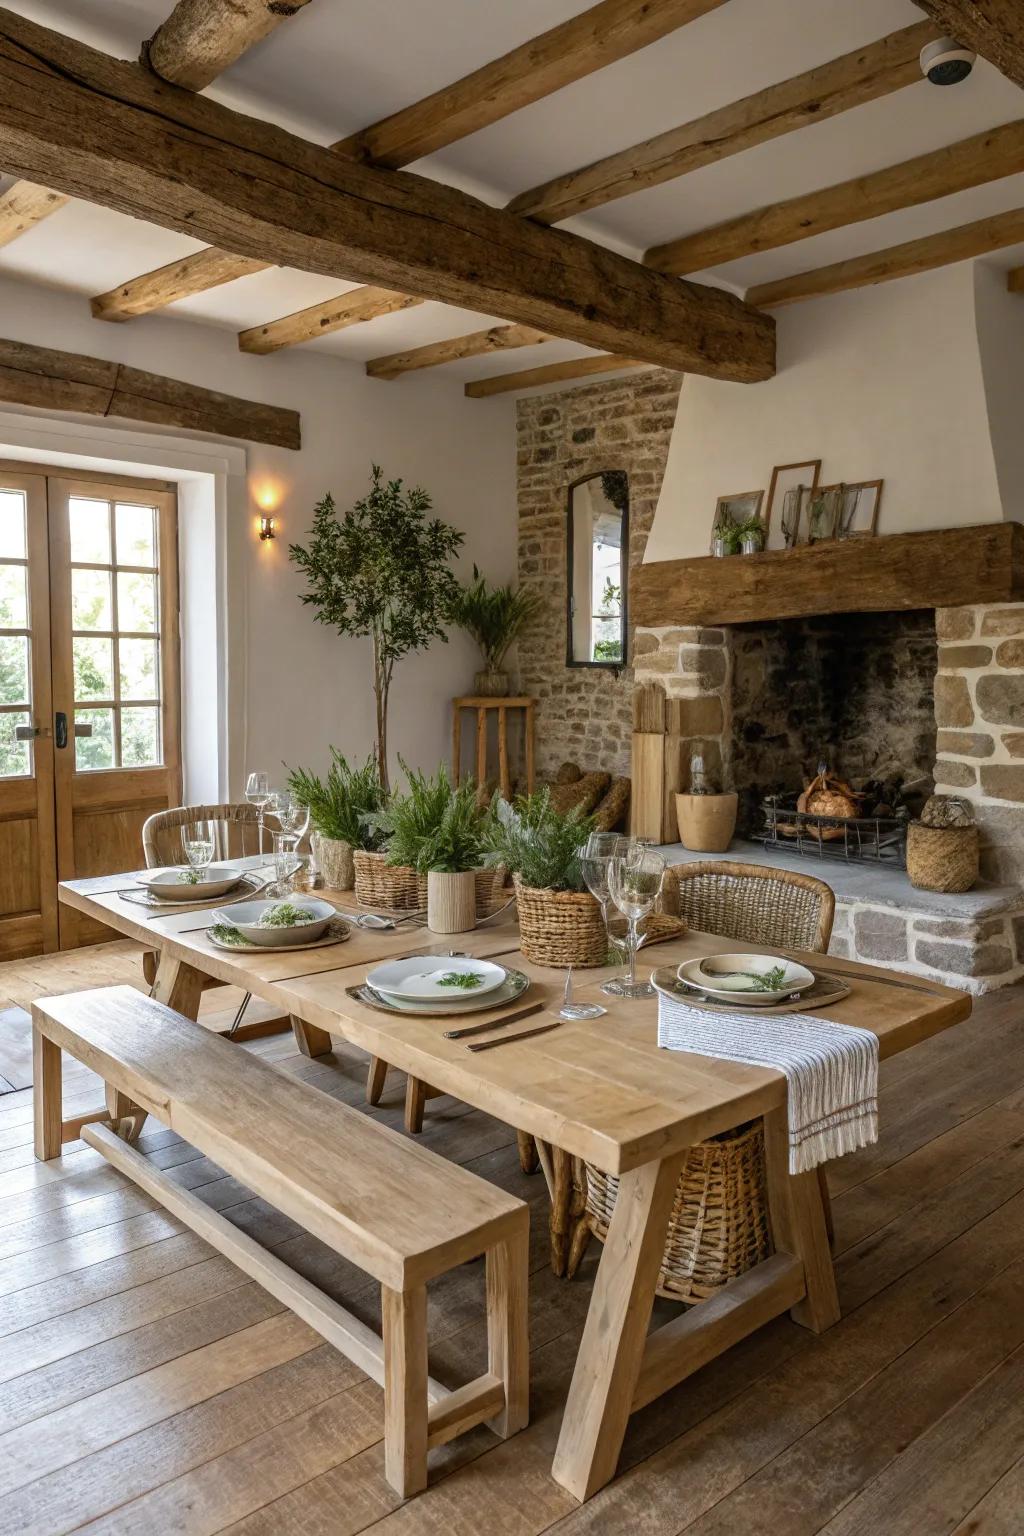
482 704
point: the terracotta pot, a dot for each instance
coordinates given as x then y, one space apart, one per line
707 822
451 901
334 858
492 685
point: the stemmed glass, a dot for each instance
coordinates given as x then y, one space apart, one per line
258 793
197 841
595 856
634 881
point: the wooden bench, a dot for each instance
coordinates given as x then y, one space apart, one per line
397 1210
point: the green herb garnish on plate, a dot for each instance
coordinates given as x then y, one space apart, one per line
224 933
467 980
188 877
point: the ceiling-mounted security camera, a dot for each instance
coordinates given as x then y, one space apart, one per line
944 62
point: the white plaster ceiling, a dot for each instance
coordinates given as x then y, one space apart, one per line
341 64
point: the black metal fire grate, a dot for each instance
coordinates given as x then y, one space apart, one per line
878 839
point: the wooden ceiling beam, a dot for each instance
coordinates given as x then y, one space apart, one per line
864 75
498 338
351 308
597 37
71 381
23 206
1015 280
98 128
993 28
550 373
913 256
202 38
971 162
204 269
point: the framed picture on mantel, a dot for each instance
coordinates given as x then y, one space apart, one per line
784 525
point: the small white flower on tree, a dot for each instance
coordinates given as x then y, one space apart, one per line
382 569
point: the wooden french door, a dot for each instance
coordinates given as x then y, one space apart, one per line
89 690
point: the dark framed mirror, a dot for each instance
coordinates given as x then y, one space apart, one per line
597 565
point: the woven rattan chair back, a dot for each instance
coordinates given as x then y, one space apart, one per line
237 835
749 902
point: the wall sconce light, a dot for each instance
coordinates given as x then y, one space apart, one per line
267 529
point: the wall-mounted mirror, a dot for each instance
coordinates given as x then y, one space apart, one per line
598 567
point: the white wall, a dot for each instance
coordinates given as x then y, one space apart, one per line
867 382
1000 316
293 686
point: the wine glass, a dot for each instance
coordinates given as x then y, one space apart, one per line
634 880
197 841
287 862
292 815
595 856
258 793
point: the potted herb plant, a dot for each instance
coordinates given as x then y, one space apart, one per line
452 856
341 808
427 827
560 922
751 536
724 536
382 570
495 617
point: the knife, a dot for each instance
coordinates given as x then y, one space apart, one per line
481 1029
526 1034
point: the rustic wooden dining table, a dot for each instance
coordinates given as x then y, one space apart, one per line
600 1090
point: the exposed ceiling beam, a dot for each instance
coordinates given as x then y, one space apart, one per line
551 373
606 32
577 47
204 269
993 28
498 338
969 163
913 256
98 128
23 206
1015 280
201 38
71 381
350 308
864 75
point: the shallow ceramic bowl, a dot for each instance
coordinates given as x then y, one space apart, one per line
709 975
217 880
245 915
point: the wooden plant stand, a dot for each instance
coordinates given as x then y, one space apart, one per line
482 704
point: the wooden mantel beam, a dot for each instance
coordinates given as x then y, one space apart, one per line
23 206
71 381
970 162
201 38
98 128
993 28
886 65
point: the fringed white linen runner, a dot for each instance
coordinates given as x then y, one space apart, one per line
831 1070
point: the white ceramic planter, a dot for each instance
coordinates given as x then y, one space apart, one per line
451 902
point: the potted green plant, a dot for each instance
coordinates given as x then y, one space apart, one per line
452 856
341 808
495 617
560 922
751 535
427 827
725 536
382 570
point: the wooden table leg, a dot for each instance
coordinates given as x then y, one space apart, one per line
608 1363
561 1204
310 1039
798 1226
178 986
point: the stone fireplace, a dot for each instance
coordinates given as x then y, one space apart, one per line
936 693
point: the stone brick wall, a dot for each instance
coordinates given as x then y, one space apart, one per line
694 665
584 713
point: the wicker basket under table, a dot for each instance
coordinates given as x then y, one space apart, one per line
718 1228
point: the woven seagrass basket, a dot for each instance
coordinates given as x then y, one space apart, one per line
942 858
560 928
719 1223
396 887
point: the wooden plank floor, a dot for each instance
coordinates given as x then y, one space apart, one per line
147 1386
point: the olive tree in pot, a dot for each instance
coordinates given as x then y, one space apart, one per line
341 811
495 617
382 570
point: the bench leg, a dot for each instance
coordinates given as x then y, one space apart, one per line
404 1318
47 1106
311 1040
375 1078
508 1334
126 1116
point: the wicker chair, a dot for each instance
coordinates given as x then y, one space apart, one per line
719 1223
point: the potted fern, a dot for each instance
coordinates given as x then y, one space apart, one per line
452 856
560 922
341 808
429 827
495 617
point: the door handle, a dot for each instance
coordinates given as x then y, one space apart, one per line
60 729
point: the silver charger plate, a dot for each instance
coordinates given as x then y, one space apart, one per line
511 989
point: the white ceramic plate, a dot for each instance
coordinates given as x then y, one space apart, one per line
418 978
510 991
707 975
245 916
169 886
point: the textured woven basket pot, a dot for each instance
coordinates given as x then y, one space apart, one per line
334 858
942 858
719 1223
487 885
560 928
397 887
492 685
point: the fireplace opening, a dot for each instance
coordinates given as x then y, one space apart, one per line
855 691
